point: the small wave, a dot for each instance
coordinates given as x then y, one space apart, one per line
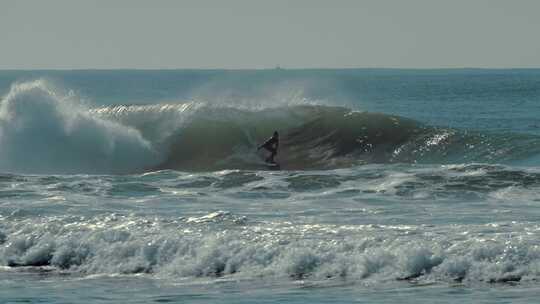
220 244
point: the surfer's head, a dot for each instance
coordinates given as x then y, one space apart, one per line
276 134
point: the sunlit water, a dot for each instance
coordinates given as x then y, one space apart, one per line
455 219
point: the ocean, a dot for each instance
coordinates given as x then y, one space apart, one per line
394 186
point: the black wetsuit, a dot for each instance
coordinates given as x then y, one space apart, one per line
271 145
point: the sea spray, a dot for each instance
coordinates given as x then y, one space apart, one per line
43 131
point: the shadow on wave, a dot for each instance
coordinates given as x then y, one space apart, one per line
323 137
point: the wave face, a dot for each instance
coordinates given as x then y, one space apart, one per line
43 131
195 136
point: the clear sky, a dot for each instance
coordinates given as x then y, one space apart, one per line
238 34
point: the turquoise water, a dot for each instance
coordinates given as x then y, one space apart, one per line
410 186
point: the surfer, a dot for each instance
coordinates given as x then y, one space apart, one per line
271 145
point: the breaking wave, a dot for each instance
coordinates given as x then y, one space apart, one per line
195 136
42 131
192 248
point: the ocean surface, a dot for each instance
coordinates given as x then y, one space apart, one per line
394 186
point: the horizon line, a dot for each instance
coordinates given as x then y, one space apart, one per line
277 68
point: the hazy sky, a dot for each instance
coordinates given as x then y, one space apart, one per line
262 34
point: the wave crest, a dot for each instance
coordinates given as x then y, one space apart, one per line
43 131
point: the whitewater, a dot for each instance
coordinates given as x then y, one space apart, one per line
409 186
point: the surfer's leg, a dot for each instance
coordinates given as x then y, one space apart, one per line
271 157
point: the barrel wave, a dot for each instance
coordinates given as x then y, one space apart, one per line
44 131
201 137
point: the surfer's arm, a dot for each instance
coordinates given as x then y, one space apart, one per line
264 144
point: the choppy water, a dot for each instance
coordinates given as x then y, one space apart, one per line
144 186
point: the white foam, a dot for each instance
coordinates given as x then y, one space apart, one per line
43 131
218 247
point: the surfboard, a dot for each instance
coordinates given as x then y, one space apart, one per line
273 166
263 155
